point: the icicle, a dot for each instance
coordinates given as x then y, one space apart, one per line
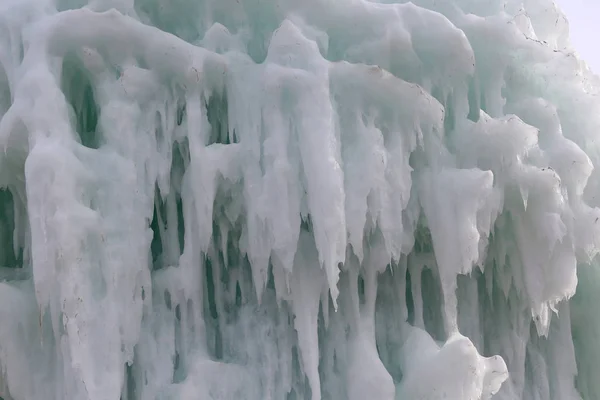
306 289
183 202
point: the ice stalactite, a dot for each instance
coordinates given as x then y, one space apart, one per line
281 199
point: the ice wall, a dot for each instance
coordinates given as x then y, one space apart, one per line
285 199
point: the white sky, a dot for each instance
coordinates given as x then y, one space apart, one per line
584 28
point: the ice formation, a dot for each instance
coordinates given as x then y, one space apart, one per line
297 199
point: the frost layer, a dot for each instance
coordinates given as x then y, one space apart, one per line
284 199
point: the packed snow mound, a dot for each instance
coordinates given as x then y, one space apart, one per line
284 199
454 371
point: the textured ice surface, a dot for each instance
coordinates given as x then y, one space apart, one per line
297 199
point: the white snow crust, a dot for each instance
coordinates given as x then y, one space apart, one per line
297 199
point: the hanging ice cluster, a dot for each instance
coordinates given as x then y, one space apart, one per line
297 199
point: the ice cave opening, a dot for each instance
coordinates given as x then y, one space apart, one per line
286 200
